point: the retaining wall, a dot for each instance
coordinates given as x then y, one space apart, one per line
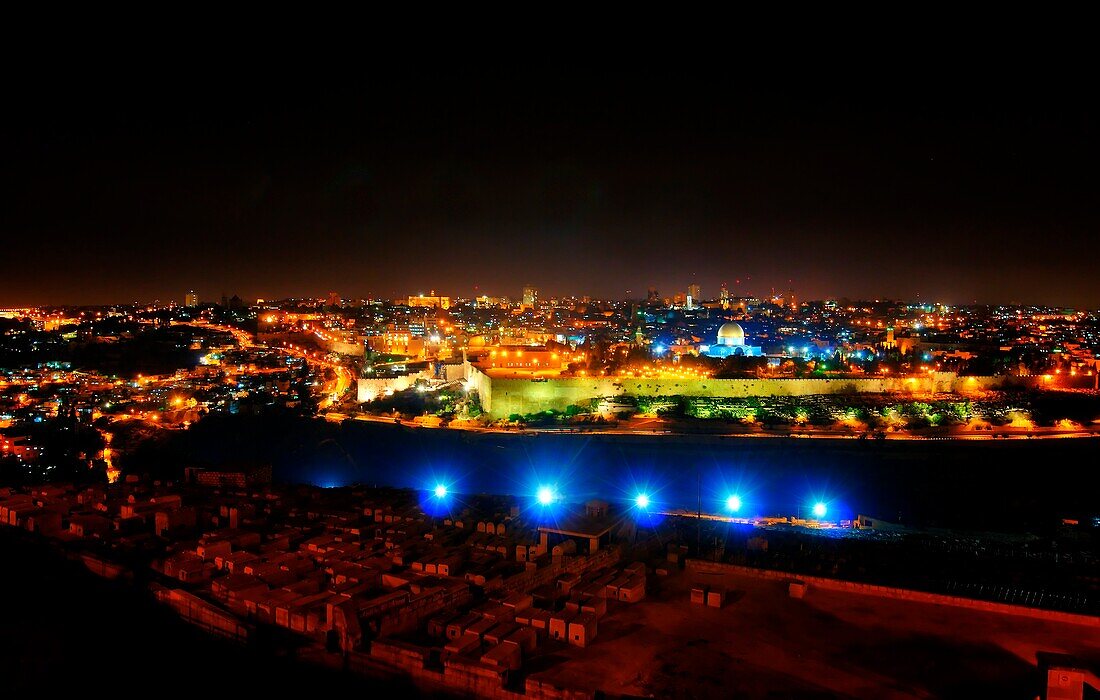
370 389
501 397
698 565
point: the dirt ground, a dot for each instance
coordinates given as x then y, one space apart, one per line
764 644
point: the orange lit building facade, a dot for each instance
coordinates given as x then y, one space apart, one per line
517 359
431 301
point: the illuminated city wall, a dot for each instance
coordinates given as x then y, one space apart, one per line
339 346
370 389
501 397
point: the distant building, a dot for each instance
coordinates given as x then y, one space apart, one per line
396 341
530 296
19 446
694 292
334 300
191 300
731 341
889 343
430 301
517 359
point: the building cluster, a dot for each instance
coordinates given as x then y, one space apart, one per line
469 595
410 332
465 599
840 335
280 354
117 373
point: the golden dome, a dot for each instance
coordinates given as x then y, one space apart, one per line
731 334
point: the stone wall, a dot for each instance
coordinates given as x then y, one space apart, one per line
698 565
339 346
370 389
501 397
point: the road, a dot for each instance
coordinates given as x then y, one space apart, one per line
644 429
332 390
243 338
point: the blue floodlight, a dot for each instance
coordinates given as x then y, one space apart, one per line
440 491
820 509
642 501
545 495
733 503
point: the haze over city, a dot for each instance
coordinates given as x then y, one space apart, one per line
604 182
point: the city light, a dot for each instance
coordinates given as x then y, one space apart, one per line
298 453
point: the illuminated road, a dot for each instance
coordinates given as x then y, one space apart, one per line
339 386
756 521
243 338
333 390
1000 434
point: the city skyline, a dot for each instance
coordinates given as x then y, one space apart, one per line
740 374
709 294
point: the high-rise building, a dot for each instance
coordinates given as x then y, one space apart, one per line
530 296
724 292
333 299
694 292
191 299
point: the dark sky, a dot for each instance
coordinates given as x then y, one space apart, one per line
955 182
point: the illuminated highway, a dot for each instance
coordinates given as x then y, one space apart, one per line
243 338
332 390
1004 433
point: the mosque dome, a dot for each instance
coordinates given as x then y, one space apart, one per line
731 334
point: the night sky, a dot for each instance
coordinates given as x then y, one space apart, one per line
957 183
